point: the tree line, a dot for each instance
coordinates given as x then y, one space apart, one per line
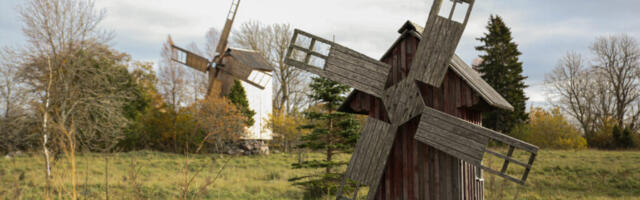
595 100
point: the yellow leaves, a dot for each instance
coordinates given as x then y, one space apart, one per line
286 125
218 118
549 129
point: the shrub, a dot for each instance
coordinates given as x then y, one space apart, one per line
549 129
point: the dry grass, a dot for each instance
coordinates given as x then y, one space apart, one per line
588 174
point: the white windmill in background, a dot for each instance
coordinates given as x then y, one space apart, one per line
229 64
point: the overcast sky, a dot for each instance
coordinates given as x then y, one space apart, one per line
544 29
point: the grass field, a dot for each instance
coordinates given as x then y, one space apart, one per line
588 174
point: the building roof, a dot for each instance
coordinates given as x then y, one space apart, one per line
469 75
250 58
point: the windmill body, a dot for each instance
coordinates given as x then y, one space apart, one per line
423 138
247 66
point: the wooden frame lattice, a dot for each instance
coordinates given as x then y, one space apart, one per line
308 51
508 159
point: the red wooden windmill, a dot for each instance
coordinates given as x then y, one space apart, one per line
423 138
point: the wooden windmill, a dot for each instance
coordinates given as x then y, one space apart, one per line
235 64
229 63
423 138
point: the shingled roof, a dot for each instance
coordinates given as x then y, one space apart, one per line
250 58
469 75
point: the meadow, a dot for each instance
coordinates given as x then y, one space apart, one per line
557 174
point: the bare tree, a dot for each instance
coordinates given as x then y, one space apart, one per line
272 41
617 59
55 30
14 115
172 83
79 84
171 78
606 88
570 81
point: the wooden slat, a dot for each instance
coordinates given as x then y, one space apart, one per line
506 162
342 64
370 156
507 158
502 175
403 101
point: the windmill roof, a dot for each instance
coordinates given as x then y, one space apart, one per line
250 58
469 75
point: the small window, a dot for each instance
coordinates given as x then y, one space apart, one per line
317 62
460 12
445 8
303 41
322 48
179 56
298 55
458 7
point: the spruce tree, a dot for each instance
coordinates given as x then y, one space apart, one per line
239 98
332 132
502 69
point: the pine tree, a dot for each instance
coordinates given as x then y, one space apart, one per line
332 132
502 69
239 98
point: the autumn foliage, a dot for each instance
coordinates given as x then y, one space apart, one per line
549 129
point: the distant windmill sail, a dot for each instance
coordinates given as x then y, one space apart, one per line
226 31
189 59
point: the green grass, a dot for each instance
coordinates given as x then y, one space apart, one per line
557 174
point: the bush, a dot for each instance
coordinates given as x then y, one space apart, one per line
549 129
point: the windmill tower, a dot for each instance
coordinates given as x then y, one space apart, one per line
229 64
423 138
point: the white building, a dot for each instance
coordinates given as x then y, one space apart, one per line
257 80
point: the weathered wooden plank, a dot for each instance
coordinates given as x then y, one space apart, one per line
372 150
403 101
358 60
434 133
484 131
355 83
449 150
338 66
342 65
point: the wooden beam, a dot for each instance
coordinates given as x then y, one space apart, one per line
342 64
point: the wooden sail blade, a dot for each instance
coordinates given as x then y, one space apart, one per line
189 59
468 142
370 155
338 63
439 41
226 31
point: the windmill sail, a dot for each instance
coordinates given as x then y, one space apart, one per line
189 59
468 142
222 43
338 63
439 41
